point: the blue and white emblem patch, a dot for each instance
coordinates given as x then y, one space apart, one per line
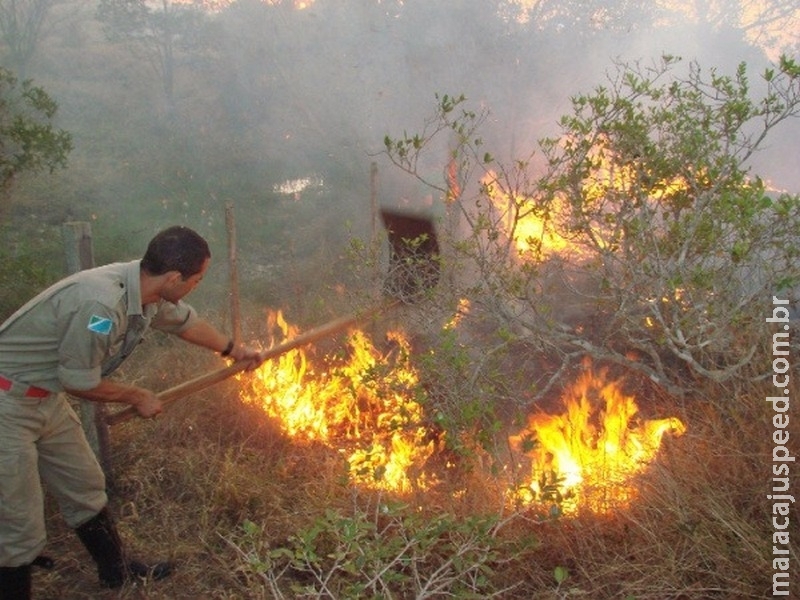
100 325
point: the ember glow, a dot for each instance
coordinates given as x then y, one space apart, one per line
587 457
361 403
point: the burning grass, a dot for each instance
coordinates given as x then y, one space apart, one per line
586 457
249 508
362 404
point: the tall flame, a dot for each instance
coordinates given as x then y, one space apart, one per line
362 404
587 456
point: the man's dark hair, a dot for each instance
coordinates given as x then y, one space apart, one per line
176 248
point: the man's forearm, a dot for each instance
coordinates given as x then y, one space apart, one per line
202 333
145 401
112 391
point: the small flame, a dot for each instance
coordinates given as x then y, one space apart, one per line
361 404
461 311
587 457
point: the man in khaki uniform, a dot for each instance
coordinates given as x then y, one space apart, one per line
70 338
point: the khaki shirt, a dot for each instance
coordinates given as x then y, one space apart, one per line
72 334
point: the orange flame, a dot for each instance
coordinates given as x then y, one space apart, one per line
529 230
361 404
539 232
609 177
587 457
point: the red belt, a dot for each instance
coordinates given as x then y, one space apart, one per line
30 392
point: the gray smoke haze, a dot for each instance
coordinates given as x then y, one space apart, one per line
268 94
328 82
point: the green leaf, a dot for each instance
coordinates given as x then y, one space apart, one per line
560 574
251 528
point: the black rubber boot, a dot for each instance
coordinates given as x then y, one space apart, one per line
15 583
99 536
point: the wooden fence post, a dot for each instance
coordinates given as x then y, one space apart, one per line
236 319
373 203
79 254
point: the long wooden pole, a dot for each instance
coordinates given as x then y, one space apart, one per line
207 380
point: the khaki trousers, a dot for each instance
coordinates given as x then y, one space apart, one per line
42 442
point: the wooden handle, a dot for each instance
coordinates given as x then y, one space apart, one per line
207 380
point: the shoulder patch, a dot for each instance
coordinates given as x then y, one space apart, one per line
100 325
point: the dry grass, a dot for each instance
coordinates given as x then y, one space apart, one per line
185 483
699 528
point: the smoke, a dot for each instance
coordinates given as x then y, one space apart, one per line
266 93
325 84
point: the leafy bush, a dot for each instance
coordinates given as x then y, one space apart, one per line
28 140
393 551
639 236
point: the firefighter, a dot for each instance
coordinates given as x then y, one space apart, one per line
68 340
